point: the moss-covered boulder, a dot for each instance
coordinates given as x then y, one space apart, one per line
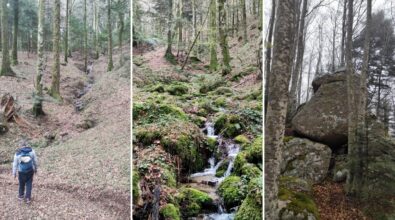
251 208
170 212
177 89
193 202
296 205
254 152
220 102
145 113
222 168
242 140
230 125
232 190
250 171
239 162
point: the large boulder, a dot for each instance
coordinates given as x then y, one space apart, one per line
305 159
324 117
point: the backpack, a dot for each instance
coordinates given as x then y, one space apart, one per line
25 161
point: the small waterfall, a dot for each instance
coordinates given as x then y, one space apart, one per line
232 150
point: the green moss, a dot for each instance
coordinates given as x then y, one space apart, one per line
211 83
229 125
239 162
222 168
193 201
212 143
242 140
254 154
169 211
135 186
171 58
299 203
157 88
177 89
223 91
250 170
287 139
220 102
170 178
231 190
145 113
251 208
147 135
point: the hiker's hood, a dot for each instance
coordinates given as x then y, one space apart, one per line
25 150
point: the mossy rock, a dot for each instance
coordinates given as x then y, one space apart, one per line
157 88
286 139
193 202
241 139
170 178
198 120
212 143
145 113
223 91
250 170
239 162
177 89
222 168
170 212
229 125
299 205
254 154
295 184
220 102
147 134
251 207
232 190
211 84
135 186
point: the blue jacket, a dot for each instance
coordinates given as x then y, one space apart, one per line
17 159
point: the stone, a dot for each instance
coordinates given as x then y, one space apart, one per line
306 159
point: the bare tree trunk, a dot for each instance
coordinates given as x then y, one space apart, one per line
5 62
213 36
223 38
269 51
308 77
109 29
244 13
55 85
15 34
85 39
38 86
66 35
343 33
278 99
299 57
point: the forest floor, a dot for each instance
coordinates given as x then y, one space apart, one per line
82 143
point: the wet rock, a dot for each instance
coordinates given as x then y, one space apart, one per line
306 159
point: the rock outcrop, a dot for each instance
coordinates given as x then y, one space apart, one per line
306 159
324 117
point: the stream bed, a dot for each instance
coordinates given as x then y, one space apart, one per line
208 182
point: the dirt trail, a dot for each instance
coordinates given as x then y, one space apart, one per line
156 60
54 196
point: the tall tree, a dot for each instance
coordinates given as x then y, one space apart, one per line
244 21
343 33
110 65
213 35
296 73
179 26
66 35
55 85
85 39
223 38
5 62
354 177
121 26
268 55
278 101
96 38
38 93
15 34
169 54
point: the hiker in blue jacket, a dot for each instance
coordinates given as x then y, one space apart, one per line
25 161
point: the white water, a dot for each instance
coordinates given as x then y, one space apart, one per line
232 150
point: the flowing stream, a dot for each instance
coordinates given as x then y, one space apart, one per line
207 177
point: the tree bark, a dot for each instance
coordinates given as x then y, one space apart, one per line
213 36
66 35
96 32
38 86
278 100
244 21
5 62
15 34
343 33
85 39
223 39
120 32
55 85
109 29
169 54
269 51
